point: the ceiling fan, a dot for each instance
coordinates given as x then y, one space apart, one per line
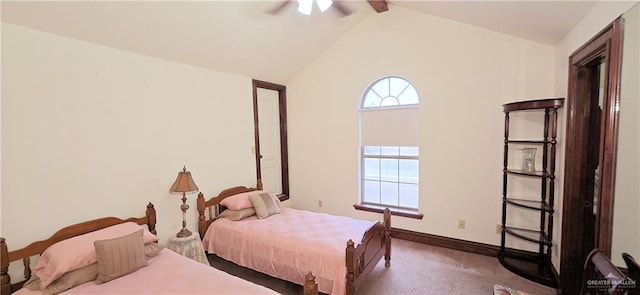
306 6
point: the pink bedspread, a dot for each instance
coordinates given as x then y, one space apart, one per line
289 244
169 273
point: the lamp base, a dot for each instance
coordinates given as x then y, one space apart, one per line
183 233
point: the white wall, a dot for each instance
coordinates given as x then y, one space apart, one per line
91 131
602 14
626 220
463 74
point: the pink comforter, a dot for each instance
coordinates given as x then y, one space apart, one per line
169 273
289 244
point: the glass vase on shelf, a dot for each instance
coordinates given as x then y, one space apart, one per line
529 160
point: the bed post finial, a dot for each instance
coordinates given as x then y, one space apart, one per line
310 284
5 280
151 218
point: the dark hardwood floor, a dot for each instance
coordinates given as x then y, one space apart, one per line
278 285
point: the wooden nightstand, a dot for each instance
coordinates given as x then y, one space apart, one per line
190 247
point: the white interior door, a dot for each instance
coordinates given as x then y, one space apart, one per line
269 134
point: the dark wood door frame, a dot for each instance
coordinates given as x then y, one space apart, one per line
282 109
607 45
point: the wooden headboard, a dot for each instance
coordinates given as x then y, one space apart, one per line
210 205
36 248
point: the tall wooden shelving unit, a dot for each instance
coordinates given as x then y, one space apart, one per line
535 267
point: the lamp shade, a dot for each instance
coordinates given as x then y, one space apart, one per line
184 183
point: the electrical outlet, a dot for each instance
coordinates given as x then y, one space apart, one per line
461 224
319 203
498 229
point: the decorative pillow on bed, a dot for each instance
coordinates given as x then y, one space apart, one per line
65 282
77 252
152 249
236 215
239 201
265 205
119 256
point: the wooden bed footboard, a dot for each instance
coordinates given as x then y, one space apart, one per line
36 248
362 259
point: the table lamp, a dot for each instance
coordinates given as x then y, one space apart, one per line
184 184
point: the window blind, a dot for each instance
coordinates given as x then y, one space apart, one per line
389 127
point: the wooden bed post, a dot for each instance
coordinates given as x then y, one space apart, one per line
351 275
202 223
310 284
5 280
151 218
387 237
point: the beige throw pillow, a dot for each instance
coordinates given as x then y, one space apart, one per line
265 205
119 256
66 281
152 249
236 215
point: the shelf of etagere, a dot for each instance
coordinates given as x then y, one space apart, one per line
530 204
525 173
534 236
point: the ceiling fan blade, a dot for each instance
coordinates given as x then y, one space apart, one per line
379 5
341 8
279 8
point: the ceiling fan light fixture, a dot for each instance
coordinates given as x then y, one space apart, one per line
305 6
324 4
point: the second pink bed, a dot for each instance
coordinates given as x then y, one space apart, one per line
288 244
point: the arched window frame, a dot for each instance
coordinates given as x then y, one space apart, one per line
396 144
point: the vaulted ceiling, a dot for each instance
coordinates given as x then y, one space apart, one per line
239 37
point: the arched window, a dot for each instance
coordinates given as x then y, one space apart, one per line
388 92
389 149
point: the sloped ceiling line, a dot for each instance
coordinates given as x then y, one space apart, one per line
241 37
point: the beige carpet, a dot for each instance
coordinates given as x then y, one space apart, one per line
424 269
417 269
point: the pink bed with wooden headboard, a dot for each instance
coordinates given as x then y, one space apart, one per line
169 273
165 273
287 244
